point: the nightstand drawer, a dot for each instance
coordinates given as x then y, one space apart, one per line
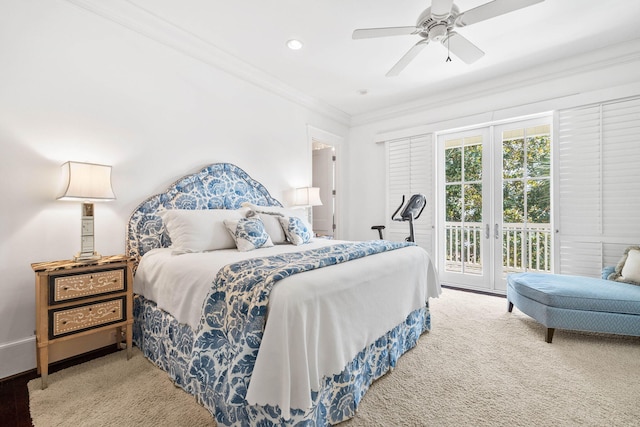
74 286
79 318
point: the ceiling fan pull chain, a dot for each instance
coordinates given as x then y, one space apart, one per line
448 52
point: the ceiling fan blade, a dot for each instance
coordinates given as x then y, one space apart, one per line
492 9
366 33
407 58
441 9
462 48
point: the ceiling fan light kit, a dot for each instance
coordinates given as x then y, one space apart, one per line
437 24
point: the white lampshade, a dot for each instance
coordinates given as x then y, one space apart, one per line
86 181
307 196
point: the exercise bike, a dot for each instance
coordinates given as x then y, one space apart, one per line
410 212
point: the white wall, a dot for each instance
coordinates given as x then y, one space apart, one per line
595 77
76 86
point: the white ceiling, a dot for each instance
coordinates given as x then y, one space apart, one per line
334 69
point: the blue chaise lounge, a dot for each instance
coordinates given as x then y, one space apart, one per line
576 303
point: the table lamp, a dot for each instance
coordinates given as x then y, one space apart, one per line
86 182
307 197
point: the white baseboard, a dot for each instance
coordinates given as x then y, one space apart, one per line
17 356
20 356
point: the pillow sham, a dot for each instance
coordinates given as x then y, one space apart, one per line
270 217
628 268
248 233
296 230
200 229
271 225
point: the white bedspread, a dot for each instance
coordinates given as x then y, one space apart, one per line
317 321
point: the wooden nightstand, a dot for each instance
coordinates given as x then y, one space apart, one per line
78 298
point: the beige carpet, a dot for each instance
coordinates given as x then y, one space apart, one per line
479 366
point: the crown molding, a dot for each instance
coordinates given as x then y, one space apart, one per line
147 24
623 53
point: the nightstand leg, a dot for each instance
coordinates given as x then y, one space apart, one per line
43 361
129 341
119 336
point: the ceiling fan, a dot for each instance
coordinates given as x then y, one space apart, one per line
437 24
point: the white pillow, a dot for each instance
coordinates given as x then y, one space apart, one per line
200 229
296 230
631 269
270 217
248 233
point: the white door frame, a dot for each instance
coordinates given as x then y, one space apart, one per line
475 281
492 278
499 282
336 141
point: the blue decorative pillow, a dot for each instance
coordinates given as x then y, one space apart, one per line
295 230
248 233
270 217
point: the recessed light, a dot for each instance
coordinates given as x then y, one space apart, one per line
294 44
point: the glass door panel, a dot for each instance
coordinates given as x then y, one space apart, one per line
464 203
526 199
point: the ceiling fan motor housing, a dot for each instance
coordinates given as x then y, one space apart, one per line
436 29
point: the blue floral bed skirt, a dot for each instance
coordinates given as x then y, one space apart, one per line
169 344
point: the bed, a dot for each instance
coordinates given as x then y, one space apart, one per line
261 322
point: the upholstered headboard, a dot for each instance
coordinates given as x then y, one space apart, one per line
217 186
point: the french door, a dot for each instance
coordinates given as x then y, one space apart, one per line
494 186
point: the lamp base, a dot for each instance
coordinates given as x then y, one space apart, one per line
87 242
87 256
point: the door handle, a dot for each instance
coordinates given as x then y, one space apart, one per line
496 231
486 231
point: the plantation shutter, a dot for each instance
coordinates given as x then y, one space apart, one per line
410 171
599 190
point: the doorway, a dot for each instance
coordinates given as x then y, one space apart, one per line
495 203
323 216
325 154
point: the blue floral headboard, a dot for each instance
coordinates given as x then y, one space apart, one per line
217 186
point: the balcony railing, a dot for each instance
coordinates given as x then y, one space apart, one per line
525 247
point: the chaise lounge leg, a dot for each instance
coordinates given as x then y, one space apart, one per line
510 308
549 335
